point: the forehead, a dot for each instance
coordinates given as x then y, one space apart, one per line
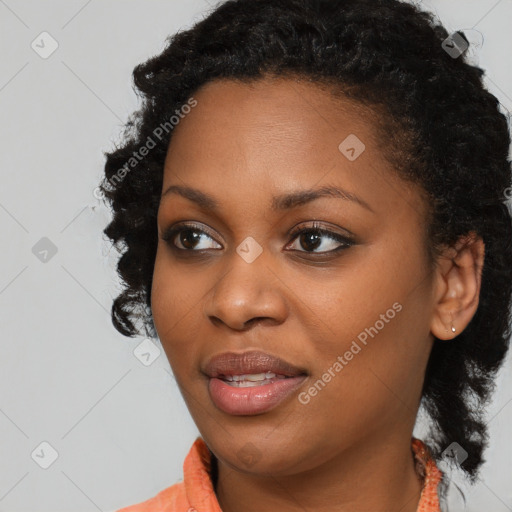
268 124
305 109
273 135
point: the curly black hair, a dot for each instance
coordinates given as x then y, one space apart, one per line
439 127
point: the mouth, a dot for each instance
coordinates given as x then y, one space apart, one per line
252 382
255 365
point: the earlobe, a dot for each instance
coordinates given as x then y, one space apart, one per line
457 287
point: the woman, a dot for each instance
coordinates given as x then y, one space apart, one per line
310 209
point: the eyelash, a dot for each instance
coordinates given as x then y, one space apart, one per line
169 235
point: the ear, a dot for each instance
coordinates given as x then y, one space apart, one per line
457 286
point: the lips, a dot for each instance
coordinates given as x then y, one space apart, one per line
251 383
249 363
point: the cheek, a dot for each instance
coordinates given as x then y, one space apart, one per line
163 303
354 298
375 315
171 299
174 292
364 385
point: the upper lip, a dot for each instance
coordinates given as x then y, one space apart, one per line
246 363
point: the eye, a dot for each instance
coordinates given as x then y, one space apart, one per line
315 237
189 237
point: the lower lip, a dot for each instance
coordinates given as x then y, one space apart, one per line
252 400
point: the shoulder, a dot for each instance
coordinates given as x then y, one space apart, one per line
172 499
194 492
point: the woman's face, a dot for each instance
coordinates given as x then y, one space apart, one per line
349 308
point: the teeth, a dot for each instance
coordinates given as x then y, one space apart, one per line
253 379
248 383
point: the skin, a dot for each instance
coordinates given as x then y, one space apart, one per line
349 447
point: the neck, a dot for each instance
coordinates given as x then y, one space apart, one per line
379 476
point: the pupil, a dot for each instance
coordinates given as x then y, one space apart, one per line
305 240
189 241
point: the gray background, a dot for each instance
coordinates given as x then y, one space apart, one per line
120 427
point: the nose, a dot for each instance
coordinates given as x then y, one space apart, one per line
246 294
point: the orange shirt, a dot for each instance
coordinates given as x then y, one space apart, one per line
196 492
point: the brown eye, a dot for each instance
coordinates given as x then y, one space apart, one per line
188 238
317 241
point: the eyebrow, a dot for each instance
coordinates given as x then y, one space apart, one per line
281 202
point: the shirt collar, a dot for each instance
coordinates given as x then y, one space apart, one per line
201 494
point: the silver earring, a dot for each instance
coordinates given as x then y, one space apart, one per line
453 328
